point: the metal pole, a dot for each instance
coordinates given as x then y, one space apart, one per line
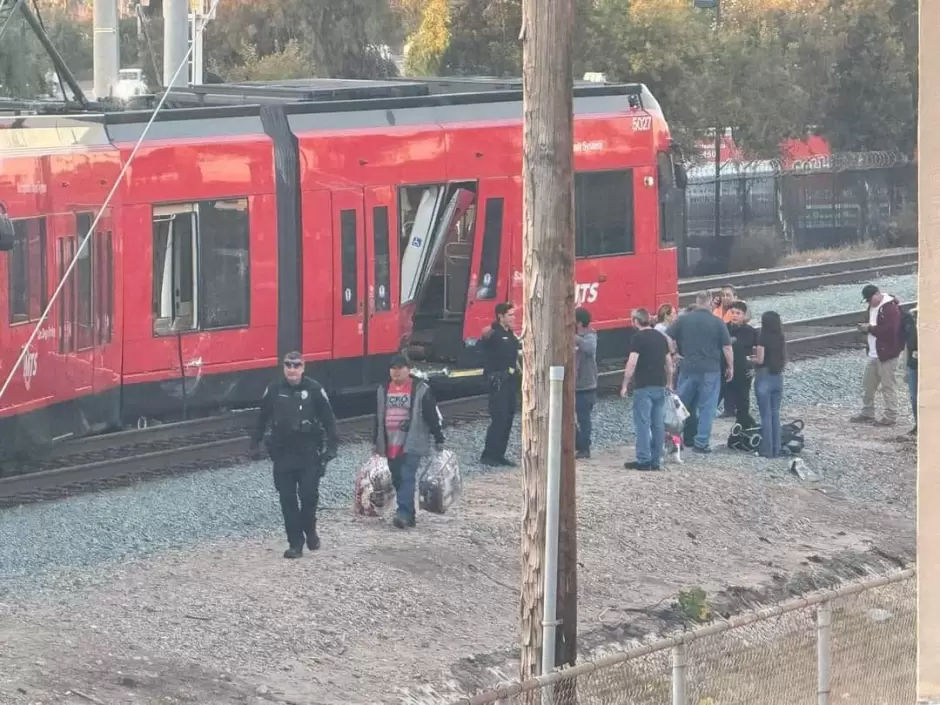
823 641
197 60
556 378
175 42
107 57
679 667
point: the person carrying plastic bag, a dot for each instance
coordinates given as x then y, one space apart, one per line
406 419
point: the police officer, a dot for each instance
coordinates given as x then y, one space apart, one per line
302 423
501 368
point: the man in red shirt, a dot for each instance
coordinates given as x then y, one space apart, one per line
406 418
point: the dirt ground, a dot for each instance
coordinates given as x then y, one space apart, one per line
382 616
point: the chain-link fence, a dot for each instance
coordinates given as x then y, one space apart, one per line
855 644
826 201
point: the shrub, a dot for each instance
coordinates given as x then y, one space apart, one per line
756 249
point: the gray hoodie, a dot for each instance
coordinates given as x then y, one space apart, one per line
585 346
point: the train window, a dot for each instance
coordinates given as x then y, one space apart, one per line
603 213
67 297
83 268
666 178
104 279
26 270
175 293
347 221
492 241
382 300
224 297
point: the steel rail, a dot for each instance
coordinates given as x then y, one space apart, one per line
185 457
779 274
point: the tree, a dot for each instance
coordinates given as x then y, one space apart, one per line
870 104
290 62
548 312
427 44
337 36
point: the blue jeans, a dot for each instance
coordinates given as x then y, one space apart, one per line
769 390
699 392
649 406
404 468
583 407
912 388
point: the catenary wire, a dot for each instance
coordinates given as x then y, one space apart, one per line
107 202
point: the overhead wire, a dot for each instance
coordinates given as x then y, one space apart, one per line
107 202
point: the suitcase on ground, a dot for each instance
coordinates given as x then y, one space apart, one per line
439 483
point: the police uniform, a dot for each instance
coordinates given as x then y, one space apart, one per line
500 366
302 440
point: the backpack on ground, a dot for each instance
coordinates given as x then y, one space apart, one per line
791 437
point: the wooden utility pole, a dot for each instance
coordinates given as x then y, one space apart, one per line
548 315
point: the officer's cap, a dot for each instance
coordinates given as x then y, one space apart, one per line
293 356
399 361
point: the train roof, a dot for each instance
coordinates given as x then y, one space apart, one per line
320 95
245 109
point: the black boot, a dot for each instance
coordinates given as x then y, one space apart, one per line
313 540
294 552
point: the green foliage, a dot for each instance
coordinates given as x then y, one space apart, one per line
758 248
693 606
426 46
23 64
335 36
290 62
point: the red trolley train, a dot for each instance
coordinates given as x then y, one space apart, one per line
346 228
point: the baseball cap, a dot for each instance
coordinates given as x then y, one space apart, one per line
868 291
399 361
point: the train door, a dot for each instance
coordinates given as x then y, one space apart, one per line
349 257
76 308
382 334
497 227
107 356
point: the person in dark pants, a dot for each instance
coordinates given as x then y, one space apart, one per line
743 339
585 396
406 417
910 335
501 369
302 441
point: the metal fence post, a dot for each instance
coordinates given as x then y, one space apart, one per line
549 622
823 643
679 675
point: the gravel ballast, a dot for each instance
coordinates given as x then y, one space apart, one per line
174 591
240 501
831 299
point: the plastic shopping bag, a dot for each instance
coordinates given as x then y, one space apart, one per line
373 491
439 483
675 412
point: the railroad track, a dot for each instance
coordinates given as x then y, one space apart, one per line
764 282
172 449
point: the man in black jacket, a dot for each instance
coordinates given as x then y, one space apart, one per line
501 368
302 441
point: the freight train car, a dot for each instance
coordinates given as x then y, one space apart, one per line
349 229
